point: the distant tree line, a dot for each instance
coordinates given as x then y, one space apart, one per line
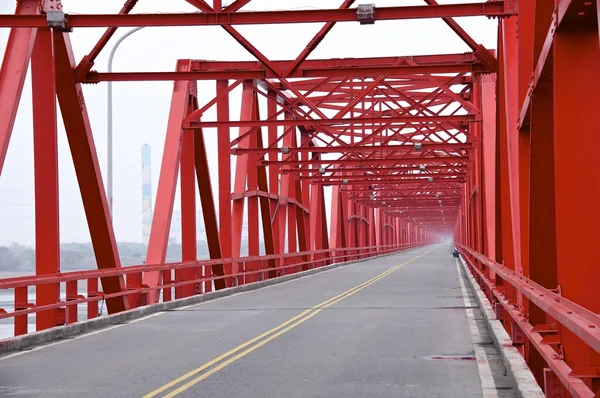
80 256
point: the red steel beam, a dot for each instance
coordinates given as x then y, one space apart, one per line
45 140
13 73
88 61
365 168
367 149
331 122
372 161
315 41
496 8
87 168
370 181
95 77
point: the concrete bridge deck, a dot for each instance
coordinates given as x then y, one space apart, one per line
396 326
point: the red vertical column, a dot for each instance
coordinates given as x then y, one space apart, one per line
526 28
577 186
188 215
323 226
288 193
223 138
274 188
542 220
508 169
251 171
335 226
239 186
510 141
488 109
45 146
315 218
378 228
265 207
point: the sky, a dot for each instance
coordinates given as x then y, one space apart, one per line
141 108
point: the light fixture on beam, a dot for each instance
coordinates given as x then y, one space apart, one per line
365 14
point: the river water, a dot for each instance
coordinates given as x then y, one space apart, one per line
7 303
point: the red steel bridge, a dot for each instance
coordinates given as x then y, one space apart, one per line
350 159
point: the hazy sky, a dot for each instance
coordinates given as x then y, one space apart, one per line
141 109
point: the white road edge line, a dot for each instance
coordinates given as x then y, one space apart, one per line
488 384
41 347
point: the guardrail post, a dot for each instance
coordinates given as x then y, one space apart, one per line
72 294
92 306
553 388
21 303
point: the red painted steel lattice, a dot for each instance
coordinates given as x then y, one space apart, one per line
493 146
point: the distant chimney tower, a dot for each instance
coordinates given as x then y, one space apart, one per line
146 192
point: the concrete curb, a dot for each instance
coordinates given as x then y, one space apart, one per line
520 376
32 340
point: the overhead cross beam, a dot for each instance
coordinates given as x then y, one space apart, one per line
498 8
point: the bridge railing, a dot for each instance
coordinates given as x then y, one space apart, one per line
198 279
561 314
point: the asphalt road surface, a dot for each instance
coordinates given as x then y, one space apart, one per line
389 327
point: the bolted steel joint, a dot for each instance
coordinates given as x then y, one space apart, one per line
57 20
365 14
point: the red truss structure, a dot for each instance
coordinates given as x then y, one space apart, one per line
352 157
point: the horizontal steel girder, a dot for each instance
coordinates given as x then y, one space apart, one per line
491 9
358 148
370 121
359 170
336 67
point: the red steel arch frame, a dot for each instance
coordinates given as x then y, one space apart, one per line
410 146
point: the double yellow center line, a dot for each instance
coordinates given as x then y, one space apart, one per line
257 342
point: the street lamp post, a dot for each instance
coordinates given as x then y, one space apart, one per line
109 129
